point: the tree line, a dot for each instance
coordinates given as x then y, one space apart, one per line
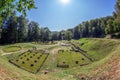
17 29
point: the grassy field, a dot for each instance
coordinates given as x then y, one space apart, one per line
12 49
71 58
30 61
97 48
105 52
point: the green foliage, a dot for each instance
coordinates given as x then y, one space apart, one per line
117 7
68 35
7 7
22 28
112 27
15 29
45 34
33 31
109 29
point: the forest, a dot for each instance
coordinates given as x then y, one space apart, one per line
15 29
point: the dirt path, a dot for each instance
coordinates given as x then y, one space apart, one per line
3 74
54 52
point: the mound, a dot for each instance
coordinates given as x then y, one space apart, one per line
12 49
98 48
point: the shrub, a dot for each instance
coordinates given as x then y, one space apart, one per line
32 65
76 62
33 54
23 62
30 56
83 59
82 44
35 61
63 66
38 57
27 59
63 62
30 51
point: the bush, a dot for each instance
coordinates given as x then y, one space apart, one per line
35 61
32 65
23 62
27 59
62 66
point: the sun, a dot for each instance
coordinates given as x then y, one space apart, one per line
65 1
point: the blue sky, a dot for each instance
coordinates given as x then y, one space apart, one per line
58 16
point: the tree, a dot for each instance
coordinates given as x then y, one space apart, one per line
13 30
10 32
36 32
55 35
117 13
68 35
62 35
45 34
85 26
9 6
110 28
22 28
33 31
76 32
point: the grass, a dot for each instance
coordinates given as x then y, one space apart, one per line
71 58
97 48
30 61
12 49
112 51
102 50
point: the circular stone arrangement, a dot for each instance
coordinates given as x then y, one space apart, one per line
12 49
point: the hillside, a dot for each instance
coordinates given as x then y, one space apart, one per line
104 52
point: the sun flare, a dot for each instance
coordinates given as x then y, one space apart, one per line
65 1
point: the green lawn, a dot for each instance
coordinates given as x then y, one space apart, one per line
12 49
30 61
71 58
